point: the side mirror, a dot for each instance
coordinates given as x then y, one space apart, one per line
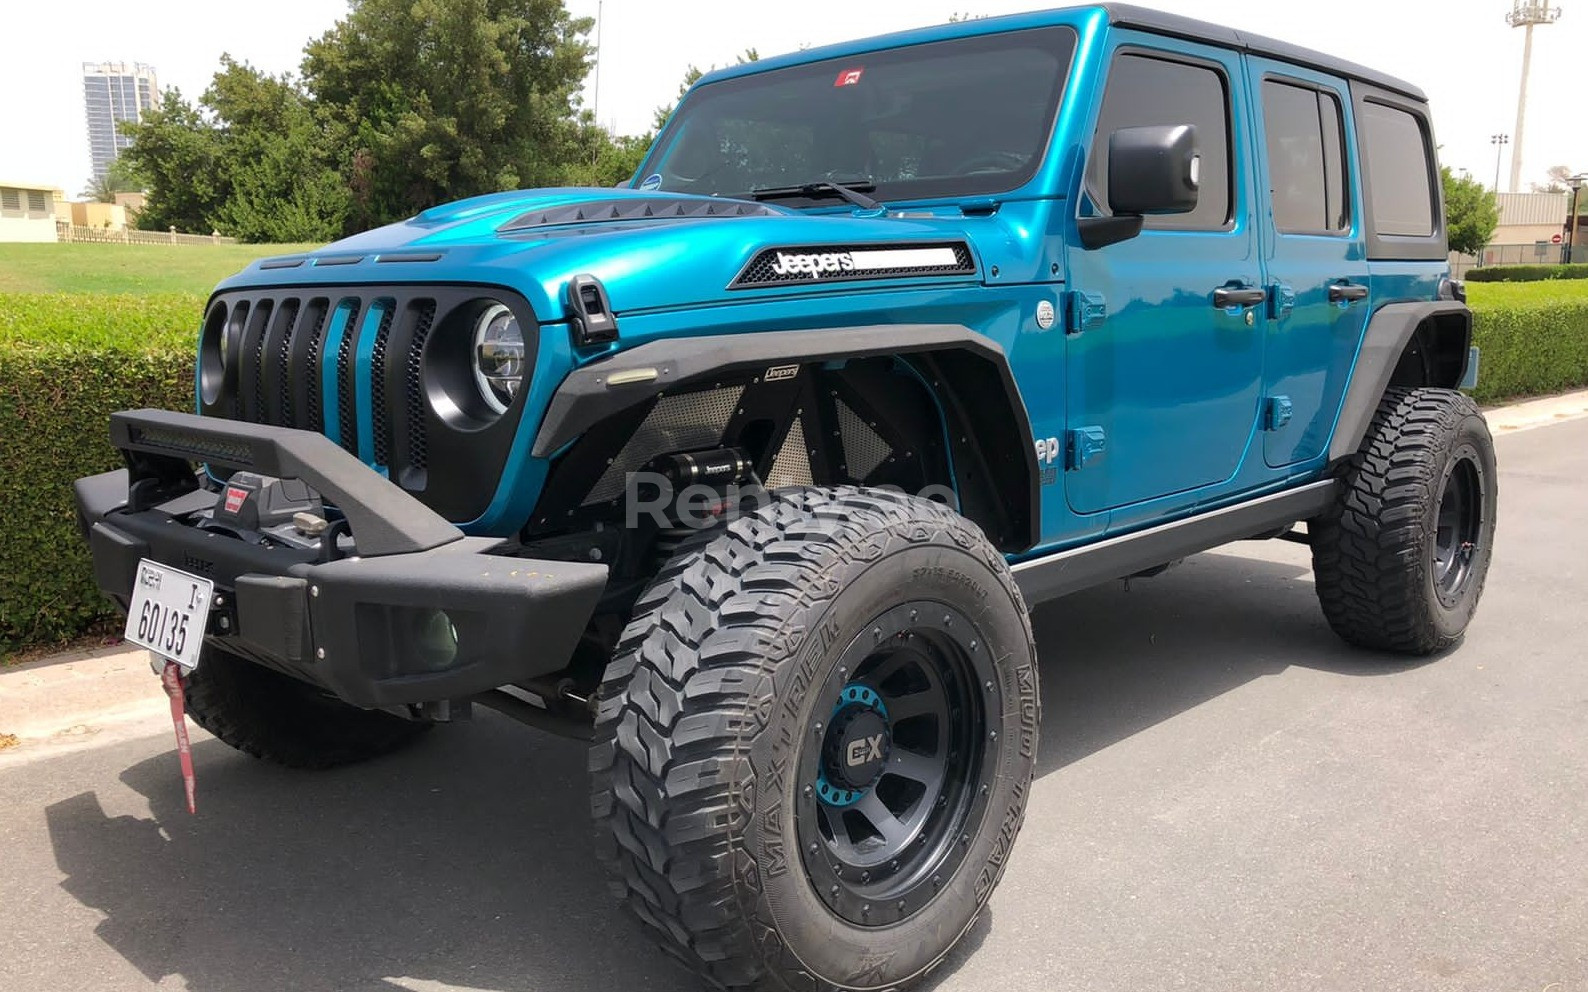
1152 170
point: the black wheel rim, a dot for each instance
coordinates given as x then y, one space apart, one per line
1457 528
894 769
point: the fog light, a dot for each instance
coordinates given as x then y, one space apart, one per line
435 640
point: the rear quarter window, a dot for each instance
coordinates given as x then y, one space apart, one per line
1399 165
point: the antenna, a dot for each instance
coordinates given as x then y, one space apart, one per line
1526 14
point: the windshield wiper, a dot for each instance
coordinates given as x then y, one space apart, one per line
853 191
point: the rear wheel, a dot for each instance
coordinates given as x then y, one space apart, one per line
287 722
815 742
1401 558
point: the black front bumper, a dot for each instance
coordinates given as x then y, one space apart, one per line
407 610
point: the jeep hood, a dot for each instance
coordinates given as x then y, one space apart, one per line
652 251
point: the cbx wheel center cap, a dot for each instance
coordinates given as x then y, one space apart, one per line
855 750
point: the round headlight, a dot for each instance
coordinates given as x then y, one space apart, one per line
498 356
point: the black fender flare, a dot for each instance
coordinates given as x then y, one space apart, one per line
1389 333
968 372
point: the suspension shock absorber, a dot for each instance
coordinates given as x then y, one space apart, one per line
717 470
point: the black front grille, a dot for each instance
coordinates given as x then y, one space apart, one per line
414 390
299 351
381 415
346 402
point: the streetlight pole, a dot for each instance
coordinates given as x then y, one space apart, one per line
1499 141
1525 14
1576 183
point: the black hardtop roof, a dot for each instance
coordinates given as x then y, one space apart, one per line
1159 22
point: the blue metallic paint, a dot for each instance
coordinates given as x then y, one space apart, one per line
1180 389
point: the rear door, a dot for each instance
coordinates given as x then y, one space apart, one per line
1314 254
1165 378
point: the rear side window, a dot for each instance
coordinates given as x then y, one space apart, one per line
1396 153
1306 156
1144 91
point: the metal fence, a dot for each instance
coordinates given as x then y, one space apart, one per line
129 236
1532 253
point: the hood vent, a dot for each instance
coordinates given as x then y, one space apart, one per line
637 208
840 263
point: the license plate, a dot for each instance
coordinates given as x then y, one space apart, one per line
169 612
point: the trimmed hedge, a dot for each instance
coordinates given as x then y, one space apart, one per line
1527 273
67 362
1533 339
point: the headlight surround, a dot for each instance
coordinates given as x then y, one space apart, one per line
498 356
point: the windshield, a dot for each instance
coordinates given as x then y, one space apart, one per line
966 117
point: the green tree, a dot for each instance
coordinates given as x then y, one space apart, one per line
1471 213
254 160
118 178
443 99
178 151
279 154
691 77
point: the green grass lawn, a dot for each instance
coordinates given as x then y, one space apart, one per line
140 269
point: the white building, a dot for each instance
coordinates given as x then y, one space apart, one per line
114 92
27 211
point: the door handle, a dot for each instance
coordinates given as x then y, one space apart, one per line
1344 292
1233 297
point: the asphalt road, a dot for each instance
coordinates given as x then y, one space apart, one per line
1228 799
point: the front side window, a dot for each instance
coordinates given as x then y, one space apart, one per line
1144 91
966 117
1395 147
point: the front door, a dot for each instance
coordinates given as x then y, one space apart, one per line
1313 252
1167 383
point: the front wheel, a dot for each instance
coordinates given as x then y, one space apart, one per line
1401 557
286 722
816 740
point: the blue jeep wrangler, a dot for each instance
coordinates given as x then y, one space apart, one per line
749 473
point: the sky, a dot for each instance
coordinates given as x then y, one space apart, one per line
1461 52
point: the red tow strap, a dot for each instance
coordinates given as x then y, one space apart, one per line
171 678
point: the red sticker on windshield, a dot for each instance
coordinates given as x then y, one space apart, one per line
849 77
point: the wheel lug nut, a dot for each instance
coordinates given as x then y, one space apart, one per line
833 890
865 876
865 909
818 729
901 905
948 621
893 866
989 685
914 614
809 790
993 735
814 848
937 881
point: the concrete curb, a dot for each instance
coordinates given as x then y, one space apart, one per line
1538 413
79 698
104 694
